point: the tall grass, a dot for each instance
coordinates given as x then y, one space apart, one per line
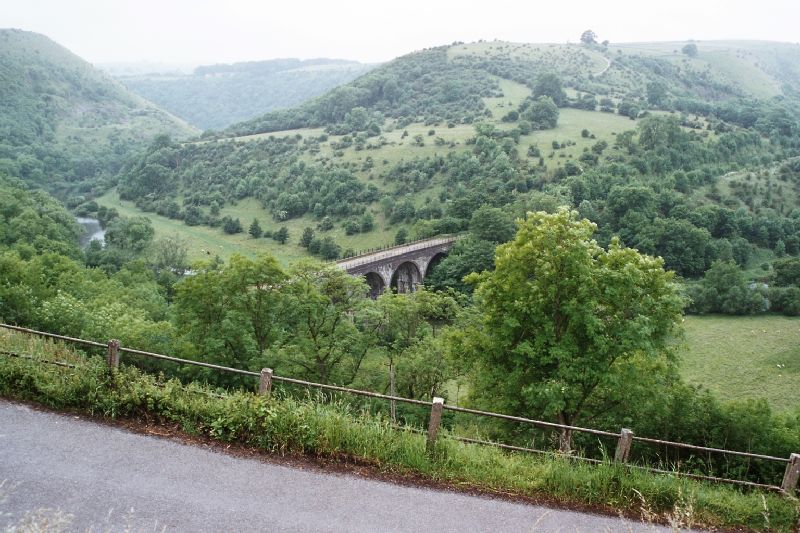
288 425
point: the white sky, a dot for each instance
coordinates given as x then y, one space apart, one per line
206 31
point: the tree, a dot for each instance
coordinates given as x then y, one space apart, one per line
331 335
549 84
231 225
787 271
656 93
255 229
328 248
282 235
492 224
307 237
690 50
543 113
231 313
468 255
401 237
170 253
559 315
589 37
130 234
724 289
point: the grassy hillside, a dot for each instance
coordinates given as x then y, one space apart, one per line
217 96
741 358
204 242
421 142
64 124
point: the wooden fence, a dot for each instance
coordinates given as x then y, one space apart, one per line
625 437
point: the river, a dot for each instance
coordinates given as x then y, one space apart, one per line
91 230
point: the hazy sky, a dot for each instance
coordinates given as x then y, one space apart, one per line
203 31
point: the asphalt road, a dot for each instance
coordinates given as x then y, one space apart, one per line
110 479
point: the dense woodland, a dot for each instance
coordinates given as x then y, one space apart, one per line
693 208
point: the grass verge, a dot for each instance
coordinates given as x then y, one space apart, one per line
288 425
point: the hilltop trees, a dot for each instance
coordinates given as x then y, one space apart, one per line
589 37
690 50
559 314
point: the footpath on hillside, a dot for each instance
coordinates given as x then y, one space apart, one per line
110 479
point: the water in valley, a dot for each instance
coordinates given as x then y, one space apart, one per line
91 230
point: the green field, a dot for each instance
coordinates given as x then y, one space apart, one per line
205 242
745 357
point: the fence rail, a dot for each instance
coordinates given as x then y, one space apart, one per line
625 437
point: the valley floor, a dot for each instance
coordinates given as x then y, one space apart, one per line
747 357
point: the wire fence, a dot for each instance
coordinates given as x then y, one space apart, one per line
624 437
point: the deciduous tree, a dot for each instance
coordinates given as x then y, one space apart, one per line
559 314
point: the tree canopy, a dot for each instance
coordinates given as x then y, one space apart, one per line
559 313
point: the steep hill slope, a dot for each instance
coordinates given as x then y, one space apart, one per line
65 125
217 96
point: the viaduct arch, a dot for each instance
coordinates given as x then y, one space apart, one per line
402 268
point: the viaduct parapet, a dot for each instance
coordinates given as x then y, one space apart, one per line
401 268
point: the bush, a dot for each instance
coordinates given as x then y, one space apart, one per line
231 225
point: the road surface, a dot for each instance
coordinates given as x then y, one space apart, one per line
110 479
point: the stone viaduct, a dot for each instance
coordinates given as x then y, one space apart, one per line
401 267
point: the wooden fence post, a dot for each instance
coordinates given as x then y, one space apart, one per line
792 474
265 385
112 357
435 421
623 446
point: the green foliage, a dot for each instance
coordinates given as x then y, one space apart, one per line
64 125
307 237
787 271
132 235
587 310
550 85
724 289
282 235
542 113
326 345
491 224
231 226
231 313
33 222
468 255
327 248
402 89
255 229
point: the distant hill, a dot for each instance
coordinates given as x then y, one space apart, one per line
216 96
65 125
448 82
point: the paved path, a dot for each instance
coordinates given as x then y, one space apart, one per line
110 479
